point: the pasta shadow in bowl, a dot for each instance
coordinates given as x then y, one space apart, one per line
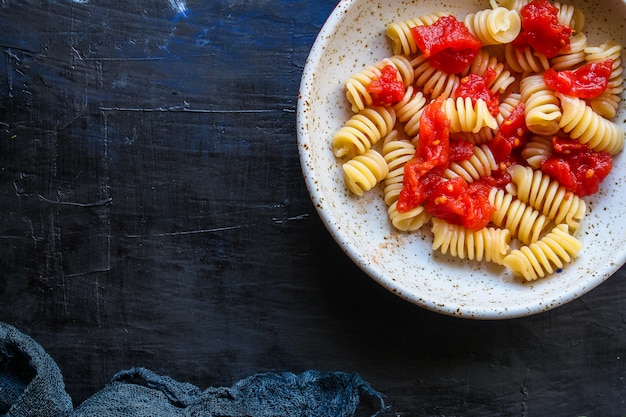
377 158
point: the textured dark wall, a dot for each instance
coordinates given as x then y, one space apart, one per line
153 213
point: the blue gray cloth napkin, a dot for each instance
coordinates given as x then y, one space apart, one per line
31 385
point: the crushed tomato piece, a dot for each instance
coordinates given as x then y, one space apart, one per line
447 44
431 153
511 136
541 29
461 203
475 87
588 81
576 167
388 88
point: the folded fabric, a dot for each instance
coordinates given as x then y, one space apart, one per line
31 384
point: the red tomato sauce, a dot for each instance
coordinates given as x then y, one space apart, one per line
541 29
447 44
588 81
388 89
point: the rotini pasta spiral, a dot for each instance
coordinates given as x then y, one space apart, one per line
537 150
481 164
548 196
507 105
356 85
433 82
542 106
524 222
362 131
399 33
364 171
542 257
409 110
494 26
525 60
570 16
489 244
467 117
588 127
397 152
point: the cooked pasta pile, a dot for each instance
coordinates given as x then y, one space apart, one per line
535 219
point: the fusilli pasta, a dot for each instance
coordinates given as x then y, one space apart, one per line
494 26
489 243
541 105
363 130
547 195
589 128
364 171
524 222
542 257
467 117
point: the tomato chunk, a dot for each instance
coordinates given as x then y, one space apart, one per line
541 29
388 88
447 44
475 87
510 136
461 203
588 81
432 153
577 168
461 150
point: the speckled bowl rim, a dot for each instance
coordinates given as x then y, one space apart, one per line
461 288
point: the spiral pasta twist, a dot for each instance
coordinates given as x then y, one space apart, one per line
363 130
607 103
488 243
409 110
542 257
481 164
433 82
542 106
537 150
507 105
364 171
494 26
467 117
356 85
399 33
397 152
570 16
525 60
588 127
548 196
524 222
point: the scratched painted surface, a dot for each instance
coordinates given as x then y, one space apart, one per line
152 213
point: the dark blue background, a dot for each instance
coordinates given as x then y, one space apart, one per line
153 213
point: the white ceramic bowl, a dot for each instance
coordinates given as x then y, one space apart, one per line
404 263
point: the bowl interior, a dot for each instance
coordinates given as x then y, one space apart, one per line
404 263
